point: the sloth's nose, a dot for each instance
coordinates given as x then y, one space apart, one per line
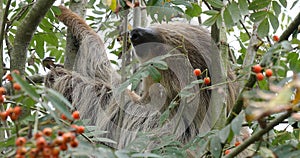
136 36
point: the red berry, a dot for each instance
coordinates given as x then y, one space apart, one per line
256 68
47 152
20 141
21 150
33 153
17 86
237 143
67 137
275 38
63 147
55 151
47 131
2 91
41 142
2 99
197 72
38 135
259 76
74 143
3 115
207 80
13 116
9 77
64 117
58 140
227 152
17 110
75 115
269 72
80 129
60 133
10 111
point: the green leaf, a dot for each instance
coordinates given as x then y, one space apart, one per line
154 73
164 117
39 46
59 102
258 16
193 11
211 12
263 28
224 133
210 21
274 22
181 2
215 146
145 155
152 2
105 140
228 18
215 3
161 65
259 4
276 8
243 5
237 122
234 11
283 3
26 87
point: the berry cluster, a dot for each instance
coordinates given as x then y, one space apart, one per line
13 113
47 144
9 77
206 80
257 69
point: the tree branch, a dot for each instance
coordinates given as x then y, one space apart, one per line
291 28
25 32
256 136
251 81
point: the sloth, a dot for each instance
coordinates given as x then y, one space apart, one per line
93 86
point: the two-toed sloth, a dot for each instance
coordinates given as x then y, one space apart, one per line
92 86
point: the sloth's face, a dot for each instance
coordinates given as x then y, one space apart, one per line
147 43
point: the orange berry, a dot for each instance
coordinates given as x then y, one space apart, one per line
227 152
47 152
38 135
21 150
9 77
33 153
67 137
3 115
58 140
60 133
64 117
13 116
256 68
75 115
197 72
41 142
2 99
2 91
19 156
16 72
47 131
275 38
20 141
74 143
80 129
17 110
269 72
74 126
237 143
55 151
17 86
10 111
207 80
63 147
259 76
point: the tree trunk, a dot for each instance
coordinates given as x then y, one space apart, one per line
25 32
72 44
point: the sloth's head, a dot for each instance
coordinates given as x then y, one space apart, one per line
148 43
